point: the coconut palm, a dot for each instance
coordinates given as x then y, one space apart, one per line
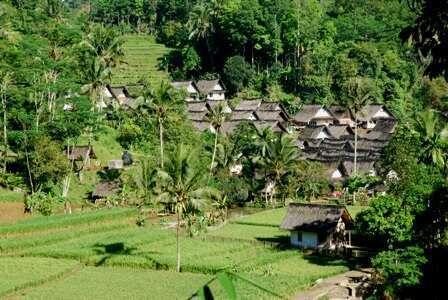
5 85
201 24
161 102
359 95
96 76
181 184
105 44
280 161
434 138
216 117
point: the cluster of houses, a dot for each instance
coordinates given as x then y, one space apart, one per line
323 134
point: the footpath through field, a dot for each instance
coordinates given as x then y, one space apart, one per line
340 286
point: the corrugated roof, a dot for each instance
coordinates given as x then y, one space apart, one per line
309 217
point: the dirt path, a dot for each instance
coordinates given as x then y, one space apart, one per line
11 212
335 287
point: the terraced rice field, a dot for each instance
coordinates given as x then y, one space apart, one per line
141 60
104 255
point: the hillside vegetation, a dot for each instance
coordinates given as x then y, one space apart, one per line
141 61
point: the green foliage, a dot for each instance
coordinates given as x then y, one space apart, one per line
129 135
400 269
237 73
42 203
386 220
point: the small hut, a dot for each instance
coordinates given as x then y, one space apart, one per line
318 226
105 189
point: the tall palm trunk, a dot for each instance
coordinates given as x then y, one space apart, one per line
177 240
5 136
161 142
214 153
355 161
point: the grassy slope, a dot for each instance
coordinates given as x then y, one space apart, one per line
109 238
141 61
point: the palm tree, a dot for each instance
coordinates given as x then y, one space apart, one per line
201 24
358 97
161 103
182 185
434 139
97 76
216 117
105 44
279 162
5 85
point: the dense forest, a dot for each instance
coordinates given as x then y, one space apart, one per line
56 57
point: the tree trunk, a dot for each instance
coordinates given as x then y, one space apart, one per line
28 165
5 136
271 199
214 153
161 143
356 146
177 240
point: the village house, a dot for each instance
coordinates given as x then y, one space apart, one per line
80 153
371 114
313 115
105 189
189 87
211 89
117 95
342 115
318 226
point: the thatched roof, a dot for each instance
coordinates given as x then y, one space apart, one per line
197 106
274 125
212 104
374 111
309 112
313 133
315 218
270 106
376 135
197 116
362 167
247 105
207 86
229 126
271 116
385 126
201 125
340 131
105 189
340 112
182 84
81 152
243 116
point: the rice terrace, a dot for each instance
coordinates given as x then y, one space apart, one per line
223 149
103 254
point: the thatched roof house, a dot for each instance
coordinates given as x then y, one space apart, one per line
197 106
81 153
313 115
105 189
201 125
212 89
190 87
370 114
342 115
317 226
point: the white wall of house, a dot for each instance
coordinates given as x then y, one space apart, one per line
216 95
336 174
322 135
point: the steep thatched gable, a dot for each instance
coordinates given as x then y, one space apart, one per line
315 218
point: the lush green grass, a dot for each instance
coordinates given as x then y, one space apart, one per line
16 273
61 221
141 61
109 239
250 232
116 283
271 217
10 196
